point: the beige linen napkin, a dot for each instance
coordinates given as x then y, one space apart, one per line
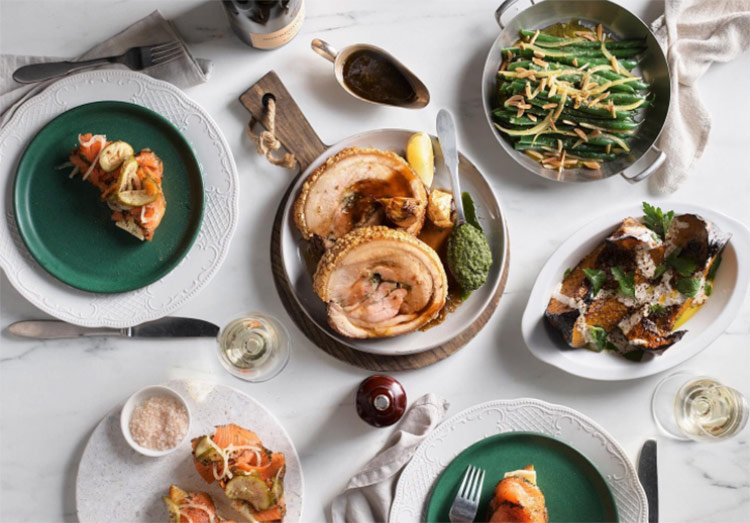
369 493
695 34
183 72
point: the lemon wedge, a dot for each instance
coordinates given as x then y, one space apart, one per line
420 156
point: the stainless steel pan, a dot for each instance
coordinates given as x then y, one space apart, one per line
644 157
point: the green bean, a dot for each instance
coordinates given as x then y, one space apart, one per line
545 38
574 53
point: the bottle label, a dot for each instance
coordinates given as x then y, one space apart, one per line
282 36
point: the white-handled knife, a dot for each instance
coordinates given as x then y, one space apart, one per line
170 327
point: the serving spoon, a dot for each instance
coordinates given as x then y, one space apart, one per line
446 131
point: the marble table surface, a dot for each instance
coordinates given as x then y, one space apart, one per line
53 393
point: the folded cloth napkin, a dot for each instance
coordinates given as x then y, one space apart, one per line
184 71
369 493
695 34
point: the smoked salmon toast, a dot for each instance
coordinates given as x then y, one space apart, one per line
191 507
517 499
130 184
250 475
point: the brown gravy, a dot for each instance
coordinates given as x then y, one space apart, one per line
372 76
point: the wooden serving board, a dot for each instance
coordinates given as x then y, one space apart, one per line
297 135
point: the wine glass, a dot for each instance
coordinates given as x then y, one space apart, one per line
254 347
692 407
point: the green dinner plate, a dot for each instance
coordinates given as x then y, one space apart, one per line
66 226
573 489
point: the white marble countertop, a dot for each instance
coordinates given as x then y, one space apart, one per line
52 394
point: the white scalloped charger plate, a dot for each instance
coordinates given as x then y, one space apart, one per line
713 318
220 215
451 437
490 216
116 483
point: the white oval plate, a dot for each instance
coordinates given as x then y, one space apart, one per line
220 212
451 437
709 322
490 217
116 483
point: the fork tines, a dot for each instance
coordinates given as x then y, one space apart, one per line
164 52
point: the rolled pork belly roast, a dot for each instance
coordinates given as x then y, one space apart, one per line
380 282
360 187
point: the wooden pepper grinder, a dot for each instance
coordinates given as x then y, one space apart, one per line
381 400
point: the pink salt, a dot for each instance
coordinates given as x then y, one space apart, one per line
159 423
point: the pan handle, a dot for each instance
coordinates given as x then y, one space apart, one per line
292 128
504 7
645 165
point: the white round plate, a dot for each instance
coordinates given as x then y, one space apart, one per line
116 483
490 217
220 212
451 437
709 322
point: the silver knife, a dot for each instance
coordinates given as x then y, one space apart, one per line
647 474
169 327
446 131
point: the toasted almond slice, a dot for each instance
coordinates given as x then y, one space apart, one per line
550 105
519 70
611 109
581 134
504 65
615 64
598 99
591 164
540 62
519 114
578 142
577 102
525 106
552 125
552 90
562 163
594 133
609 148
575 62
531 117
599 33
539 54
536 155
533 38
528 91
559 145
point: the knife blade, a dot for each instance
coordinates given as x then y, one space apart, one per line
649 478
169 327
446 131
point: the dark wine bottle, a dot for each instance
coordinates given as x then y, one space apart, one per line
265 24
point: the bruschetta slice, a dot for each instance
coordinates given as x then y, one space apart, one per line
130 183
250 475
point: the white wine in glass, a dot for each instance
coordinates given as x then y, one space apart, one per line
254 347
698 408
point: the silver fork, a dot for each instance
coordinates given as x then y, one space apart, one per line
136 58
464 508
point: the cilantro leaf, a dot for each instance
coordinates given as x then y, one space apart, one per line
688 286
599 335
714 267
708 289
567 272
626 281
684 266
660 269
656 309
597 278
655 219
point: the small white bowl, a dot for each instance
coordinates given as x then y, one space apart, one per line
135 400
